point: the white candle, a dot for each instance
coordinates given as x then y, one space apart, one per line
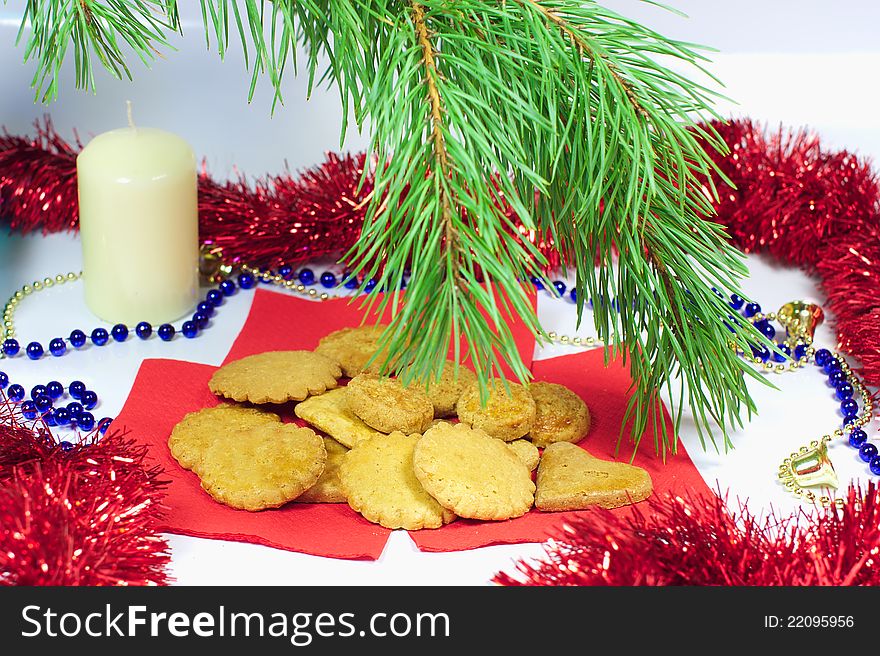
138 212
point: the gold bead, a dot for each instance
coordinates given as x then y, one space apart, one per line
825 500
325 296
277 279
27 289
564 339
59 279
552 334
313 292
19 295
300 288
37 285
289 283
768 366
71 276
577 341
591 340
8 325
48 282
771 316
780 368
838 432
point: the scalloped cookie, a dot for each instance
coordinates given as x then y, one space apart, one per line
328 489
560 415
569 478
276 377
506 416
352 347
472 474
329 413
445 392
198 430
525 451
378 480
262 467
388 406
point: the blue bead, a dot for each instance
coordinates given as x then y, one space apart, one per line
29 410
767 330
35 350
38 390
786 352
536 281
205 308
822 357
49 419
100 336
76 389
4 380
77 338
200 320
189 329
104 424
350 280
573 295
371 285
850 420
286 272
761 352
831 365
143 330
15 393
328 280
800 351
849 407
166 332
214 297
65 445
62 416
857 437
11 347
836 377
75 409
844 391
245 280
752 309
86 421
306 276
119 332
89 399
736 301
227 287
43 403
560 287
57 347
868 452
875 465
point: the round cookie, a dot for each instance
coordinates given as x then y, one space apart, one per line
388 406
328 489
276 377
560 415
198 430
263 467
472 474
506 416
444 393
527 452
378 479
352 347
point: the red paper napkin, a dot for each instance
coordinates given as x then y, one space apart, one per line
606 392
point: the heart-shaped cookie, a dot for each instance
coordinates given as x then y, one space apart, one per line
569 478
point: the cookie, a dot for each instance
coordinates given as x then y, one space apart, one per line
472 474
262 467
525 451
388 406
560 415
276 377
378 479
329 413
445 392
569 478
198 430
328 489
506 416
353 348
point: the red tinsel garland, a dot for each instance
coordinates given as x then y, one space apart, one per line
87 516
698 541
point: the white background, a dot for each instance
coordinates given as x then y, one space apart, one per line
793 63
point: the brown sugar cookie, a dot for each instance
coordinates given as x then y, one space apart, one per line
352 347
198 430
527 452
506 416
262 467
472 474
329 413
276 377
445 392
378 479
388 406
560 415
569 478
328 489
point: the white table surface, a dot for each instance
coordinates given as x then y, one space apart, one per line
801 66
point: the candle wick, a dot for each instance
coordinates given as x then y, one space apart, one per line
129 111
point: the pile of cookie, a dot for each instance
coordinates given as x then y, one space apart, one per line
404 457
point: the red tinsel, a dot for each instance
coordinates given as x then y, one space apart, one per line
87 516
698 541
